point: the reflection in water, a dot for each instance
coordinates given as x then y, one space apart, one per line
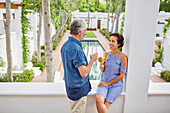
91 48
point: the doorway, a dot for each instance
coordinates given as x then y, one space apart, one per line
98 24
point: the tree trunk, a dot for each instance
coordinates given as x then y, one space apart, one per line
63 20
48 41
8 40
61 28
108 18
114 17
68 15
117 16
39 34
88 13
117 23
113 21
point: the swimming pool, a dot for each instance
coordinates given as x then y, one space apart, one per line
91 47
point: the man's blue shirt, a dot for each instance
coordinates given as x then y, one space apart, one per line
72 57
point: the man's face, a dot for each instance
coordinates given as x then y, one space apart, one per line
83 33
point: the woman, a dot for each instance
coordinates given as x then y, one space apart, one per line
114 69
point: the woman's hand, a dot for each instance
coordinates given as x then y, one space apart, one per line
103 84
101 59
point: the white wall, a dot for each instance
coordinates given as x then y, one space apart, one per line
15 47
13 21
95 17
15 1
51 98
166 52
161 18
103 17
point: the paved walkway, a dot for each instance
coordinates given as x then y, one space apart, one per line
58 62
102 39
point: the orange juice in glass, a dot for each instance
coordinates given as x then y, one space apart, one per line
103 58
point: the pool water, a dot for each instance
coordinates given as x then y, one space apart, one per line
91 47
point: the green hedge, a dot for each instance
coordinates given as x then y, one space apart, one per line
3 78
165 75
40 64
26 76
55 44
43 47
91 28
105 33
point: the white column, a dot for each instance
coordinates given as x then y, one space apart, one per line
18 22
140 28
18 37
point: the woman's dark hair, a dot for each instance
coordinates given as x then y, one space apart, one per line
120 38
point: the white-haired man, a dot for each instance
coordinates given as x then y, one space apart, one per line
76 67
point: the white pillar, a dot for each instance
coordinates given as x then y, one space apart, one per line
18 37
140 28
18 22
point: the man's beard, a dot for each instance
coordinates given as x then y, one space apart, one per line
81 36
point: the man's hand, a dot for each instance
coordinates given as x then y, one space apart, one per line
100 59
103 84
84 70
94 56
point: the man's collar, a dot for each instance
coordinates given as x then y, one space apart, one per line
75 40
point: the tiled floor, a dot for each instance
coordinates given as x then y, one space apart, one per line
57 57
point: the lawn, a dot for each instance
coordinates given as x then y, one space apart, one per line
90 35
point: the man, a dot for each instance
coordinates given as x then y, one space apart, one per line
76 67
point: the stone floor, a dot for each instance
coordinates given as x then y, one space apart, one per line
58 63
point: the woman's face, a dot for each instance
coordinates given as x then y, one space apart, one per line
113 43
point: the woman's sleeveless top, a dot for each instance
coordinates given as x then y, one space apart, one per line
112 69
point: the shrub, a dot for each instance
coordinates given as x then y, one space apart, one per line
42 47
2 63
41 65
157 34
34 59
159 58
42 53
26 76
55 45
105 33
43 59
165 75
91 28
4 78
65 29
102 31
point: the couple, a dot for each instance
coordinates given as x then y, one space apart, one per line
76 70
